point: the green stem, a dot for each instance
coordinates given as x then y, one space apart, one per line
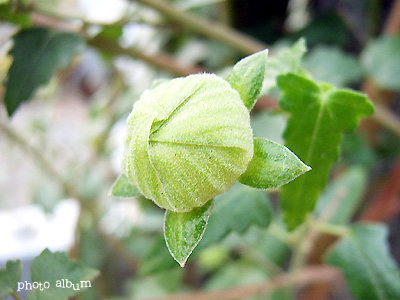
302 248
331 229
215 31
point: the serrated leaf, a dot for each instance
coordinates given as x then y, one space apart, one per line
333 65
37 53
247 77
237 210
55 267
9 277
272 166
183 231
284 60
380 60
364 258
343 196
319 115
122 188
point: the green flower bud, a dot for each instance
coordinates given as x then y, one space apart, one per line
188 140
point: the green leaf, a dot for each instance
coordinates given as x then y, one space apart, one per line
122 188
364 258
380 60
183 231
157 258
155 286
37 54
285 59
319 115
237 210
236 274
54 268
333 65
111 32
8 14
272 166
9 277
247 77
343 196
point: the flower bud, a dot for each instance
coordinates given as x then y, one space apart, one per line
188 140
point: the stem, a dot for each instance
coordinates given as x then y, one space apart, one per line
386 118
302 249
306 276
159 60
215 31
40 159
15 295
336 230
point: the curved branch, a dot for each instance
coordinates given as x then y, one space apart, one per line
159 60
303 277
216 31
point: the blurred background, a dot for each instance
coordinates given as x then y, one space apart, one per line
61 151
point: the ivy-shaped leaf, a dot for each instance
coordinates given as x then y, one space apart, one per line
247 77
37 53
272 166
122 188
319 115
56 268
364 258
9 277
237 210
183 231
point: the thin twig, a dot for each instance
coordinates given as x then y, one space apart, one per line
159 60
306 276
215 31
386 118
38 157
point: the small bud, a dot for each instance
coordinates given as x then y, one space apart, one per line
188 140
